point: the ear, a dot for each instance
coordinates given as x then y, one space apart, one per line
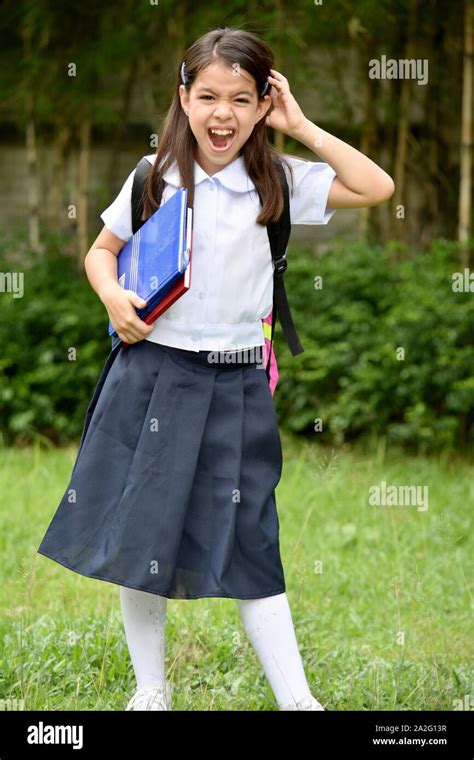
184 97
263 106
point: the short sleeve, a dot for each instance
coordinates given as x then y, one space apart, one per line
312 182
118 216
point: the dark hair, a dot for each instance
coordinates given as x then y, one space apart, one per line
230 46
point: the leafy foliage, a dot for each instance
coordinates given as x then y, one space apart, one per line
54 343
352 374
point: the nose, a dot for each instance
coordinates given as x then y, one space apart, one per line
223 109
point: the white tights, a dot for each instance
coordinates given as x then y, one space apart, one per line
266 621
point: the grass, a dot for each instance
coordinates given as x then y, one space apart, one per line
380 595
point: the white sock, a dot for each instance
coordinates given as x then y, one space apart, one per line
269 626
267 622
144 617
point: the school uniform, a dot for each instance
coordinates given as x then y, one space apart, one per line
173 487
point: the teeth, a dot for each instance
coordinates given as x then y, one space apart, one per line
222 131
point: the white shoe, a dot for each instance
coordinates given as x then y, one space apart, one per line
151 698
308 703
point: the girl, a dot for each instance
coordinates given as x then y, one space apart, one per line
172 492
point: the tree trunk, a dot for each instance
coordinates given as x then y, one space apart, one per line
57 216
83 164
401 152
464 227
117 140
433 228
33 186
33 190
367 140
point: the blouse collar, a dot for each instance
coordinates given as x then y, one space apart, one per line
233 176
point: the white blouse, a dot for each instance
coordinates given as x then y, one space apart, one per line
231 287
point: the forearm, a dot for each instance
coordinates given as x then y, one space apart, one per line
101 269
355 170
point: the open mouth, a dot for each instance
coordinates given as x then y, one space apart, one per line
220 140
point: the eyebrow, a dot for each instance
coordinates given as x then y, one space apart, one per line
240 92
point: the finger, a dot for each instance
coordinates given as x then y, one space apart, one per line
133 333
138 325
276 75
143 330
277 85
126 337
139 332
133 336
123 336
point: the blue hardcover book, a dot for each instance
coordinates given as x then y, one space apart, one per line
153 261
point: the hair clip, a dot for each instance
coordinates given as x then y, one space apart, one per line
265 88
184 77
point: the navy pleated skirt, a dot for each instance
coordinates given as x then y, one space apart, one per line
172 490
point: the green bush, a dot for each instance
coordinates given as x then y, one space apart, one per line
349 375
54 341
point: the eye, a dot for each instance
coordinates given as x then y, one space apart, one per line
241 100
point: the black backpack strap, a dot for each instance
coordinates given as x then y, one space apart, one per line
138 187
279 235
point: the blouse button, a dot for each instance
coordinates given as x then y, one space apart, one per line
212 186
